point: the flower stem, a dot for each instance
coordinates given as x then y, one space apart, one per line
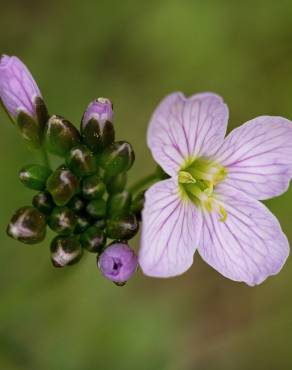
144 183
45 157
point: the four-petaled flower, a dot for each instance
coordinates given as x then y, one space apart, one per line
211 201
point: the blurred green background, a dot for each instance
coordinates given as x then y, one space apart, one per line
135 52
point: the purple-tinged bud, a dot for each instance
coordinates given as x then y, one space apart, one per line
97 128
100 109
22 99
118 263
18 90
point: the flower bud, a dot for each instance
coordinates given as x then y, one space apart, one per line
22 99
122 228
118 263
93 239
101 224
138 204
97 128
116 184
81 224
60 136
119 204
81 161
65 251
62 220
27 225
118 157
62 185
43 202
76 204
93 187
34 176
96 208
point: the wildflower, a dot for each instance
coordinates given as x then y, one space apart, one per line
97 128
22 99
211 200
18 89
118 262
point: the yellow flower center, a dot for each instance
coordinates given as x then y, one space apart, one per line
197 180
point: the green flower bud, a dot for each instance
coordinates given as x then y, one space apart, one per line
122 228
81 161
101 224
76 204
27 225
34 176
43 202
138 204
62 184
116 184
119 204
93 187
96 208
62 220
60 135
117 158
81 224
65 251
93 239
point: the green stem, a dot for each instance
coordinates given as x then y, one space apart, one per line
45 157
144 183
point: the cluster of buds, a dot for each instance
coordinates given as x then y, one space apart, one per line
85 200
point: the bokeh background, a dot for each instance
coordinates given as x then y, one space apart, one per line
135 52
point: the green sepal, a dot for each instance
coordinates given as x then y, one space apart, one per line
34 176
60 136
93 187
30 130
65 251
119 204
28 225
62 220
118 157
81 161
93 239
123 228
96 208
97 136
116 184
43 201
62 185
41 112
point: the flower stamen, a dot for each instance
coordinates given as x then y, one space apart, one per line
198 181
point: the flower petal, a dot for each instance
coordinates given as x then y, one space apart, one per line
18 89
249 246
186 127
258 156
170 231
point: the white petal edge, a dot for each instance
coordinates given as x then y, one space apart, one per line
182 127
258 157
249 246
170 231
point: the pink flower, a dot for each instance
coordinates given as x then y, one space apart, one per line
211 202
